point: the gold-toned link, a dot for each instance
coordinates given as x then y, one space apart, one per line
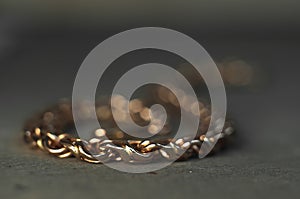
40 144
144 143
164 153
37 132
65 155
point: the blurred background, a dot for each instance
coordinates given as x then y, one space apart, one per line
43 43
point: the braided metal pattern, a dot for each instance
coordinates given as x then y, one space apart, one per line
64 146
45 131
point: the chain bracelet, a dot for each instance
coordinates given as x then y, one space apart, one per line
45 131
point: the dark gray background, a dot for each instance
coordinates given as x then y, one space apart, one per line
43 45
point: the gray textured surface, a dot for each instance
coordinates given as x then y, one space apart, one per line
264 164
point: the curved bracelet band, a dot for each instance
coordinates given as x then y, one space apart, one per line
46 131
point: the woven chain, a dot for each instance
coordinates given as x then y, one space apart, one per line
64 146
45 132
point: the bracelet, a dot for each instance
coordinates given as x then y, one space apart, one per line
46 131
